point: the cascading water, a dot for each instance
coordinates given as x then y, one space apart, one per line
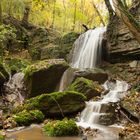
88 49
91 114
87 53
14 89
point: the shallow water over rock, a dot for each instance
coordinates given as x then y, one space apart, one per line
35 133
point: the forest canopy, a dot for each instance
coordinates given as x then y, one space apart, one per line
63 15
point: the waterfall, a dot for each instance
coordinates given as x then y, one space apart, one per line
91 114
14 89
87 54
88 49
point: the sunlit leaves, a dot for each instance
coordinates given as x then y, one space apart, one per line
42 12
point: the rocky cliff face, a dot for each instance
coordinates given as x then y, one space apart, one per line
121 43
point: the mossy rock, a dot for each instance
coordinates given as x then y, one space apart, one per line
89 88
28 117
61 128
56 104
44 76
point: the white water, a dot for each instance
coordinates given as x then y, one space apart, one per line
88 49
87 54
91 114
66 80
14 89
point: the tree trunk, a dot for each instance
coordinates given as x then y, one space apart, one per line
54 11
128 19
74 16
101 19
26 15
109 7
65 16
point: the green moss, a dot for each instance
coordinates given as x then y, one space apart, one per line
61 128
87 87
28 117
43 65
45 100
56 104
16 65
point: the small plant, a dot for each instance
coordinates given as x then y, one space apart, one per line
28 117
61 128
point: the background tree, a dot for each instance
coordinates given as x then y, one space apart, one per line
0 12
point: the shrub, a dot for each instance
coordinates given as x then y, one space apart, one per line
61 128
28 117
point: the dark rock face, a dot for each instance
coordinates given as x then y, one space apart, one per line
89 88
44 76
72 74
93 74
4 75
122 45
57 103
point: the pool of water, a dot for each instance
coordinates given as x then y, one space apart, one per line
36 133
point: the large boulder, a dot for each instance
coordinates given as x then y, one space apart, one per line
71 74
122 45
92 74
89 88
57 103
44 76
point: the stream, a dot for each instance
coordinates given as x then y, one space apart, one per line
87 54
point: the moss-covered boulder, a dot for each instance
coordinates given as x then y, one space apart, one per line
89 88
44 76
28 117
56 104
61 128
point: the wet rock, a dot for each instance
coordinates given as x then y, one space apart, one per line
92 74
107 108
44 76
88 132
56 104
71 74
89 88
122 45
107 119
134 64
